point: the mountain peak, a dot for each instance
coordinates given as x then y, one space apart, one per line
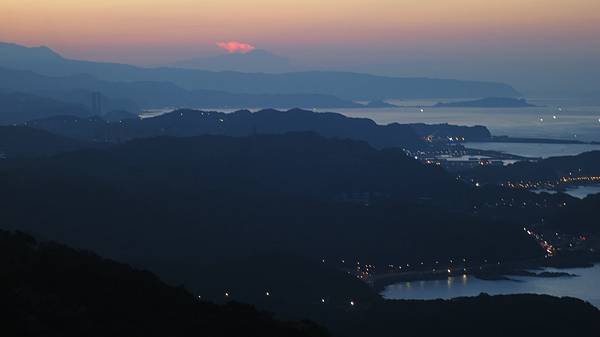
13 50
257 60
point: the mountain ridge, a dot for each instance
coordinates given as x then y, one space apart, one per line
345 85
124 95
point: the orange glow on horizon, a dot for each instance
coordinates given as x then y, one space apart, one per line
73 25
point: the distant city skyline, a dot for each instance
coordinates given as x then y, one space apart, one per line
546 45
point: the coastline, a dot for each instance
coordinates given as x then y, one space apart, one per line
490 272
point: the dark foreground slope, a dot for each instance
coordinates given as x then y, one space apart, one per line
510 315
48 289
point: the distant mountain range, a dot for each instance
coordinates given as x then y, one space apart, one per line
124 95
345 85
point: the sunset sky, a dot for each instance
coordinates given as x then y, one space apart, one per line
409 33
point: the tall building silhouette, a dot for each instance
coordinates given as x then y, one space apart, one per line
96 103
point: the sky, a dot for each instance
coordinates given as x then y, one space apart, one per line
542 40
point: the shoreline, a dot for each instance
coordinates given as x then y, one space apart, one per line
489 272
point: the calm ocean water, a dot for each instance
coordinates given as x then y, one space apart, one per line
553 120
536 150
584 286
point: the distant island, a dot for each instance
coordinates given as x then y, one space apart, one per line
380 104
489 102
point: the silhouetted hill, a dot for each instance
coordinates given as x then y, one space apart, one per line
484 315
48 289
243 123
316 290
18 141
154 94
296 286
578 217
345 85
17 108
183 123
489 102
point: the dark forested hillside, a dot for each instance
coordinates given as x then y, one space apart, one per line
578 217
214 197
551 169
511 315
19 141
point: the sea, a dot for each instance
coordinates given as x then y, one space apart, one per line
556 119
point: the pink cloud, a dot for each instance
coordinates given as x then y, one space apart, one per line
236 47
